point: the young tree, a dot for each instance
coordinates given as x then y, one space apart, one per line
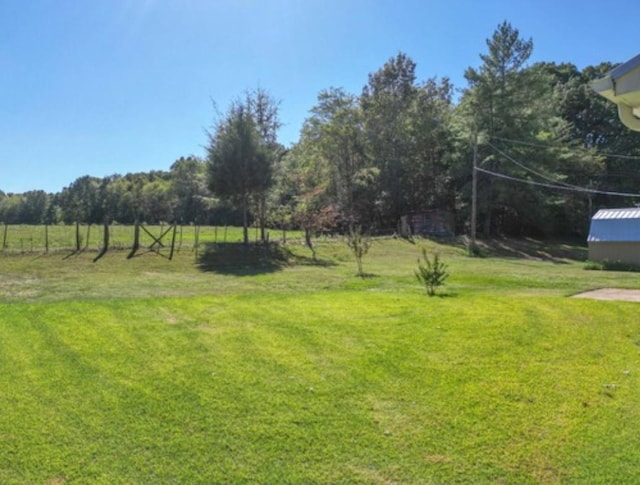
238 162
359 243
432 273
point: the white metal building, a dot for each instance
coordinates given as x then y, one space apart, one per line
622 86
614 235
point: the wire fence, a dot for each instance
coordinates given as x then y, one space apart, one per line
23 238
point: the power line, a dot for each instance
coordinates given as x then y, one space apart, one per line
556 187
543 145
524 167
567 186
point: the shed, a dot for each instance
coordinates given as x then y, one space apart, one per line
614 236
435 222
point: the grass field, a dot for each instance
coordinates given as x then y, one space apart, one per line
189 371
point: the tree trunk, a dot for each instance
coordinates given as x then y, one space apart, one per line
309 242
262 210
245 221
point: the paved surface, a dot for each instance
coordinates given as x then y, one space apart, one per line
611 294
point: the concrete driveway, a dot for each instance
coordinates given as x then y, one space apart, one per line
611 294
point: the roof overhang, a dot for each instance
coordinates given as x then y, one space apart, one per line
622 86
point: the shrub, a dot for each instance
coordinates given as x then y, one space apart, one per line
431 273
607 265
359 243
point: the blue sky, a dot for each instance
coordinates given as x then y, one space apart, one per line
114 86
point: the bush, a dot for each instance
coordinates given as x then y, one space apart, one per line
473 249
431 273
607 265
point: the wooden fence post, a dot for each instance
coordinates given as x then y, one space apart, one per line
196 240
78 239
173 242
136 240
88 233
105 242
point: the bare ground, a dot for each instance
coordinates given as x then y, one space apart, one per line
611 294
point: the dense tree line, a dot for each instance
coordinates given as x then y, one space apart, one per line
549 151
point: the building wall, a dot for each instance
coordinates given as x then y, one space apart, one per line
625 252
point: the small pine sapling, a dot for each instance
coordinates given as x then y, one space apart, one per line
431 273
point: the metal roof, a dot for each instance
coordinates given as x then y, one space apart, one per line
624 213
615 225
625 68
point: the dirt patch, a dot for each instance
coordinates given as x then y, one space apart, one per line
611 294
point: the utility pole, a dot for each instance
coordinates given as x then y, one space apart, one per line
474 190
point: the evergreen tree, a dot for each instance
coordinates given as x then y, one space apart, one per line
238 162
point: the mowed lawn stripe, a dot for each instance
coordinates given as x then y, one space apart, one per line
335 386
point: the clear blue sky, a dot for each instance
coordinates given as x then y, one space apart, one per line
98 87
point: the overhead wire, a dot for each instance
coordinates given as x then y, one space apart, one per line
530 170
548 145
558 185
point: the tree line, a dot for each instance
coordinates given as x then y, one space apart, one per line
548 152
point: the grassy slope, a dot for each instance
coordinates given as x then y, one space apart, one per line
309 375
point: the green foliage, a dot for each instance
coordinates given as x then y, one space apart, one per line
333 141
400 146
432 273
303 195
359 244
474 250
408 139
238 160
189 187
607 265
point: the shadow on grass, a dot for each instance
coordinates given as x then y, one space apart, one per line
444 294
367 276
243 260
307 261
557 252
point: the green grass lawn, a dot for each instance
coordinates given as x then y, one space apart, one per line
155 371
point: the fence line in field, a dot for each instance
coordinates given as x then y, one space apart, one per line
23 238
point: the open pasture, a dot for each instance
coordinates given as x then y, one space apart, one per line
155 371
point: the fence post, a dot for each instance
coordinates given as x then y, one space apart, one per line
136 240
105 242
78 240
88 233
173 242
